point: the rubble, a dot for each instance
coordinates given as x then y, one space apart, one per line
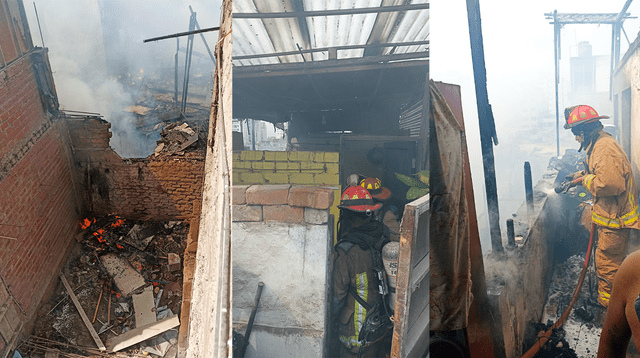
175 138
138 305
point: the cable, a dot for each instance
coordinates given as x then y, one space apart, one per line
545 337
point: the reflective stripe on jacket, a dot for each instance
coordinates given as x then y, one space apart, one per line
610 181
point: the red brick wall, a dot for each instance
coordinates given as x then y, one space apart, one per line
162 188
39 210
20 106
39 205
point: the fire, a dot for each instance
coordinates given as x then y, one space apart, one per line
117 223
86 223
98 235
120 246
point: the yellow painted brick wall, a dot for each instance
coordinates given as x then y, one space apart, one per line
295 168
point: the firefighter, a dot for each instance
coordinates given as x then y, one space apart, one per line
388 214
356 297
608 177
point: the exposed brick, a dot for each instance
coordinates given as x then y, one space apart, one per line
310 197
316 216
283 213
239 194
276 178
268 194
246 213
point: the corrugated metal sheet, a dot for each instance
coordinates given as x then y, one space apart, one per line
411 119
272 35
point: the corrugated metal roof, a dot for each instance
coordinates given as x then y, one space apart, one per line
255 36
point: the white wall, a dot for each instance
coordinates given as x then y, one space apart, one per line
293 262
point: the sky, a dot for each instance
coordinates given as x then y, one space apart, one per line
518 44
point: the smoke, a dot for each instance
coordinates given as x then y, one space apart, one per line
518 45
100 63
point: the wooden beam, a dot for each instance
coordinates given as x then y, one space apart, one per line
337 12
337 48
321 67
142 333
85 319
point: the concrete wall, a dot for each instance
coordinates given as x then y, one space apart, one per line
281 236
163 187
517 280
39 205
628 77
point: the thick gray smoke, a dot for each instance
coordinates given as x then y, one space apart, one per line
100 62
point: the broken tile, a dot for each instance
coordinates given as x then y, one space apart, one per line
126 277
144 307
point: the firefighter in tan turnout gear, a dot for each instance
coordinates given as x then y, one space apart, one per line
609 179
359 314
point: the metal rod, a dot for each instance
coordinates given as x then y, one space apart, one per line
556 39
190 32
206 45
528 187
187 65
337 48
8 238
337 12
487 125
38 19
511 236
176 69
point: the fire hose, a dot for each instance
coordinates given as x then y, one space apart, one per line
545 337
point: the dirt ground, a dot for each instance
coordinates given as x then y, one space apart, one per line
58 319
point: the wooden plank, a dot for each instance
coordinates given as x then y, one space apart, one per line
85 319
404 273
140 334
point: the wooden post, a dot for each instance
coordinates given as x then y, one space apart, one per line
85 319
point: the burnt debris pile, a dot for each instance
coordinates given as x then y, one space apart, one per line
124 277
556 347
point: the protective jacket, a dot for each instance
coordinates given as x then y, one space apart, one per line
610 179
354 268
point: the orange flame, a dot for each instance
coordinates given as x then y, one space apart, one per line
117 223
86 223
98 235
120 246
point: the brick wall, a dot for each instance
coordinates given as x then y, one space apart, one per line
281 203
162 188
39 208
295 168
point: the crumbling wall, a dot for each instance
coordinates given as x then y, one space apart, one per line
295 168
518 279
282 237
39 205
162 188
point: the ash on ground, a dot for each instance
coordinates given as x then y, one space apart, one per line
581 330
150 252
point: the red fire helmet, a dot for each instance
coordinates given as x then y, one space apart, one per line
581 114
357 198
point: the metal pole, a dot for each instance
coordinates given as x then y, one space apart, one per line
488 135
187 64
206 45
528 187
176 69
556 45
38 19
